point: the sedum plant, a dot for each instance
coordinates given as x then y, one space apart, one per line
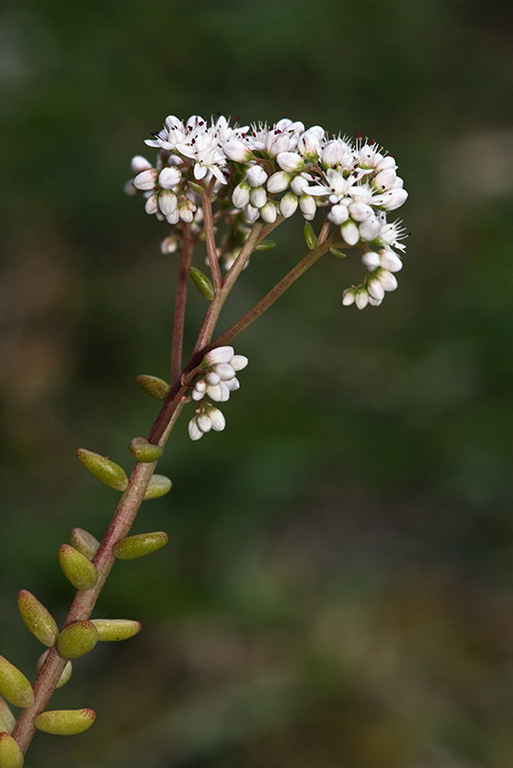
224 189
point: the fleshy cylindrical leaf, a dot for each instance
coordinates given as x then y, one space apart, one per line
338 253
265 245
77 639
144 451
103 469
202 283
310 236
116 629
11 755
85 542
7 719
37 618
66 673
158 486
140 544
65 722
153 386
77 568
14 686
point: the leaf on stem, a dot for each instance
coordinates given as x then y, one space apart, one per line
7 719
66 672
158 486
65 722
14 686
265 245
77 568
310 236
116 629
104 469
139 545
144 451
153 386
37 618
77 639
11 755
85 542
202 283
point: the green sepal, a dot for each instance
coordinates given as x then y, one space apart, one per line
14 686
7 719
139 545
65 722
339 254
310 236
153 386
77 639
158 486
77 568
265 245
66 672
116 629
202 283
11 755
144 451
37 618
104 469
85 542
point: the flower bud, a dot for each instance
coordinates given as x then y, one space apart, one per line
237 151
116 629
139 164
7 719
350 233
256 176
37 619
85 542
202 283
370 260
146 180
167 202
348 297
290 161
258 197
66 672
144 451
338 214
77 639
269 212
375 289
152 385
11 755
361 297
169 177
65 722
240 196
278 182
103 469
390 260
308 207
139 545
217 419
239 362
14 686
77 568
288 205
218 355
310 236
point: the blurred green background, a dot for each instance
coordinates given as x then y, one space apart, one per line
338 587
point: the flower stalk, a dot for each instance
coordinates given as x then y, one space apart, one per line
259 176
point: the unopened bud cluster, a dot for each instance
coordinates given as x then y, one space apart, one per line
219 368
263 172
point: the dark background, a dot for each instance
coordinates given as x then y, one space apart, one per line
338 587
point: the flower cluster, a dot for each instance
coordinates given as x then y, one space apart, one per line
219 368
262 172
